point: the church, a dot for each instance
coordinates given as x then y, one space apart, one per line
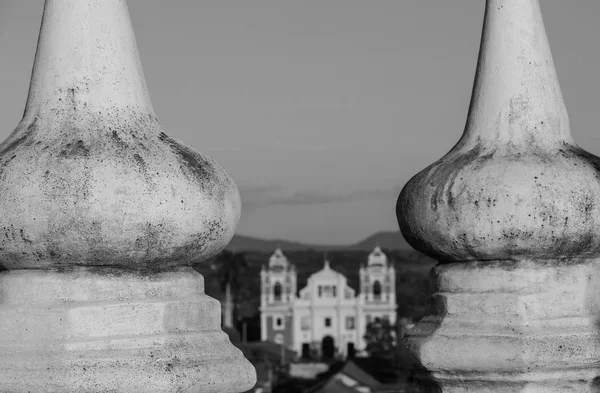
326 317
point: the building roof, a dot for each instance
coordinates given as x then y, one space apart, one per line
350 379
260 349
326 273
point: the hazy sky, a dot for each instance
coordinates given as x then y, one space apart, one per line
320 110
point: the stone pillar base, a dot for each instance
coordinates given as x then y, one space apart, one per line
103 330
505 326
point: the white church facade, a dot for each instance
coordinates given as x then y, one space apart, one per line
326 317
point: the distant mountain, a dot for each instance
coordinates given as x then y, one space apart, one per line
248 243
391 240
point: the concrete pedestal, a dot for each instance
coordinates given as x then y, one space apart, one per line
98 330
500 327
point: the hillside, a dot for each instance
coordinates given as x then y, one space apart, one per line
391 240
385 239
248 243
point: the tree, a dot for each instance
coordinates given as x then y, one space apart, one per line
230 268
380 339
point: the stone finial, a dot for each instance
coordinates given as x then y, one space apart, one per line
516 185
515 205
102 214
89 177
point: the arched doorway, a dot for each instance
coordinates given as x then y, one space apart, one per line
305 351
327 347
377 290
350 351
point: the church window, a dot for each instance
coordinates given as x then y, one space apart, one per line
377 290
279 323
327 322
277 291
305 323
327 291
349 323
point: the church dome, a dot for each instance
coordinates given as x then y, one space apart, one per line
278 259
377 257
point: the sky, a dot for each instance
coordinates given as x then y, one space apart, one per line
320 110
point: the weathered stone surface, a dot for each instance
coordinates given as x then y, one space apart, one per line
89 176
101 212
101 331
516 185
512 213
529 325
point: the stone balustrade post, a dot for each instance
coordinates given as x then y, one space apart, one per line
512 213
101 215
